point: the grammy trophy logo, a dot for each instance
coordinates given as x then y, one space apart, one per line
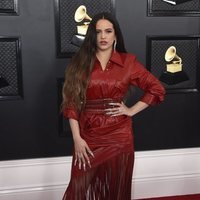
83 20
174 68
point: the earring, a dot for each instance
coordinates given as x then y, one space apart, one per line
114 45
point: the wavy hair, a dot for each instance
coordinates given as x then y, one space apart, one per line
77 74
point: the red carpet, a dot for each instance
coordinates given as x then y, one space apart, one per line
185 197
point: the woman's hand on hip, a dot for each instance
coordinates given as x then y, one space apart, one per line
118 109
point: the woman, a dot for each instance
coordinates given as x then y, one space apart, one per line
96 82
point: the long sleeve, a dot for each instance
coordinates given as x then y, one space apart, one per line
71 112
153 90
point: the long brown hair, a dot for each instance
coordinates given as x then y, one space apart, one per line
77 74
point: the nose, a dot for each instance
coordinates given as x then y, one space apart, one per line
103 34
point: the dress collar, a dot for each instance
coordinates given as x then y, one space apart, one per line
115 58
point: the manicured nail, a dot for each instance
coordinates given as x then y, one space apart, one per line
84 168
75 162
92 154
89 163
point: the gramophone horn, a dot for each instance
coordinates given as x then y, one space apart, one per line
81 14
171 55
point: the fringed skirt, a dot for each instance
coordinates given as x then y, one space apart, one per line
110 175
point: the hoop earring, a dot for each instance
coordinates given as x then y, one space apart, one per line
114 45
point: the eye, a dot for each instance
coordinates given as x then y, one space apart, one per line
109 30
98 31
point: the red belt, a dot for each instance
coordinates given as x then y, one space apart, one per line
99 105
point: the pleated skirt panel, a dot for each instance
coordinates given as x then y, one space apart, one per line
110 180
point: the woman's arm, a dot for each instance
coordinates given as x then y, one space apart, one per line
74 128
136 108
81 148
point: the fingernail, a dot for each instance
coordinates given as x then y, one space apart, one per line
89 164
75 162
92 154
84 167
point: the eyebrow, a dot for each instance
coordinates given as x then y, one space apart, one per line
105 29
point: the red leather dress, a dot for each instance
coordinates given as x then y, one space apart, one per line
110 138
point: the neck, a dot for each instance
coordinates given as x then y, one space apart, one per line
104 55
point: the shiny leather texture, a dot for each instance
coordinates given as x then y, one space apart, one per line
110 138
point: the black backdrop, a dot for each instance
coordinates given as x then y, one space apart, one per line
30 127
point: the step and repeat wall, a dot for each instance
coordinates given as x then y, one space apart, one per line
37 41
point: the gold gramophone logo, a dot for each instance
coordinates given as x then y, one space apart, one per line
174 68
83 20
174 61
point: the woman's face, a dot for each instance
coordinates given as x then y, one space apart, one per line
105 35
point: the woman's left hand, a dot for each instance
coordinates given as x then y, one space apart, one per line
118 109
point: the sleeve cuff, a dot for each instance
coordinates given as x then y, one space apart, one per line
69 113
151 99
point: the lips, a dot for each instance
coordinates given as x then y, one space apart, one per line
103 42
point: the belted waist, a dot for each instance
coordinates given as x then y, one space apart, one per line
99 105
